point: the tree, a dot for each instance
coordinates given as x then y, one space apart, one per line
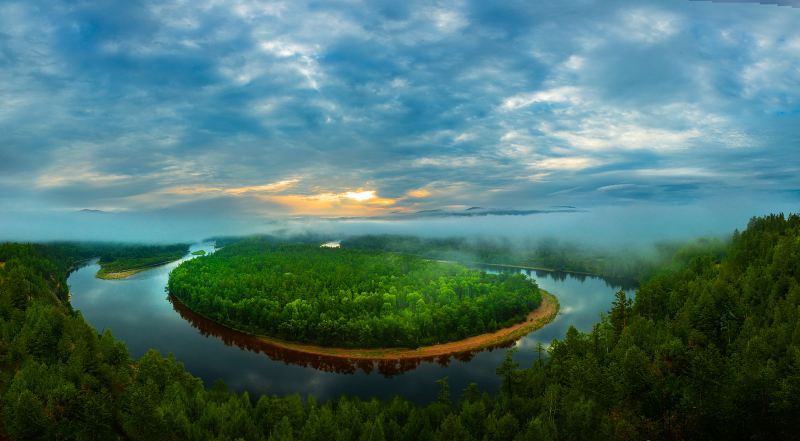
620 311
452 430
507 372
282 431
539 350
373 431
444 391
24 416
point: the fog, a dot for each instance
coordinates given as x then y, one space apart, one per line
605 226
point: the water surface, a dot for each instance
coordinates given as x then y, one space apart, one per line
138 311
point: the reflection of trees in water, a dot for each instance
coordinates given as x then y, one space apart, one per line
327 363
558 276
614 283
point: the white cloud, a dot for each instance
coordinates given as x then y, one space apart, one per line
599 135
447 162
84 176
570 163
616 187
673 172
447 20
566 94
648 26
284 49
575 62
464 137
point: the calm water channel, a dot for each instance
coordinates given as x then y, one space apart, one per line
139 312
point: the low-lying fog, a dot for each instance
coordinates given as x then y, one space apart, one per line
600 226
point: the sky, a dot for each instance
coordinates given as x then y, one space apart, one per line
232 116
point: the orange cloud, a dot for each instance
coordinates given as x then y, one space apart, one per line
348 203
419 193
273 187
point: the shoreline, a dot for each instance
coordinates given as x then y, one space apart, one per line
118 275
536 319
124 274
481 265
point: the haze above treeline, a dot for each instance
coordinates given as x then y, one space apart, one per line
604 227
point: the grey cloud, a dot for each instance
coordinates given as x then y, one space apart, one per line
396 97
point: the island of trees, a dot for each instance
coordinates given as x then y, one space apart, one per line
349 298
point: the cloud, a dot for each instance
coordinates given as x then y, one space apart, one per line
332 204
287 107
566 163
792 3
594 135
269 188
448 162
648 25
557 95
78 177
419 193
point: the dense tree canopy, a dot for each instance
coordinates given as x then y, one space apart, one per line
132 257
350 298
707 351
619 264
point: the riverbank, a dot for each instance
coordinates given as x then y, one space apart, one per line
103 274
539 317
116 275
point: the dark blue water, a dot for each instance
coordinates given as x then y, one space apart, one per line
137 311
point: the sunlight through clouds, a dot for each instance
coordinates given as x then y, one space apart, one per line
363 108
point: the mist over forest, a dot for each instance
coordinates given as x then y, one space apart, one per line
628 226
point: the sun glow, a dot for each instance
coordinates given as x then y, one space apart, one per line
360 196
326 203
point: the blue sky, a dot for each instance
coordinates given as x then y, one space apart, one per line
348 108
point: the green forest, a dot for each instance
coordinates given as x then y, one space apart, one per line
623 265
349 298
132 257
707 351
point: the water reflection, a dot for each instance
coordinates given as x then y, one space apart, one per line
138 312
340 365
560 276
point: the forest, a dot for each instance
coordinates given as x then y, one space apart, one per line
622 265
112 257
349 298
120 258
710 350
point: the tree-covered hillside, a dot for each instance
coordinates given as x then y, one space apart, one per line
349 298
710 351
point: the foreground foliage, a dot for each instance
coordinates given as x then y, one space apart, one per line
349 298
710 351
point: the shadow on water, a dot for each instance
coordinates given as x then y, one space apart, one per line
339 365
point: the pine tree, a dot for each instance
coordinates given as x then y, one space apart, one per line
620 311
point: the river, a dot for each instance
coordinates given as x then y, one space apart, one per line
138 311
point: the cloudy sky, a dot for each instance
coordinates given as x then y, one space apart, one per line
347 108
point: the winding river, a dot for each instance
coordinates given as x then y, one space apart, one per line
139 312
